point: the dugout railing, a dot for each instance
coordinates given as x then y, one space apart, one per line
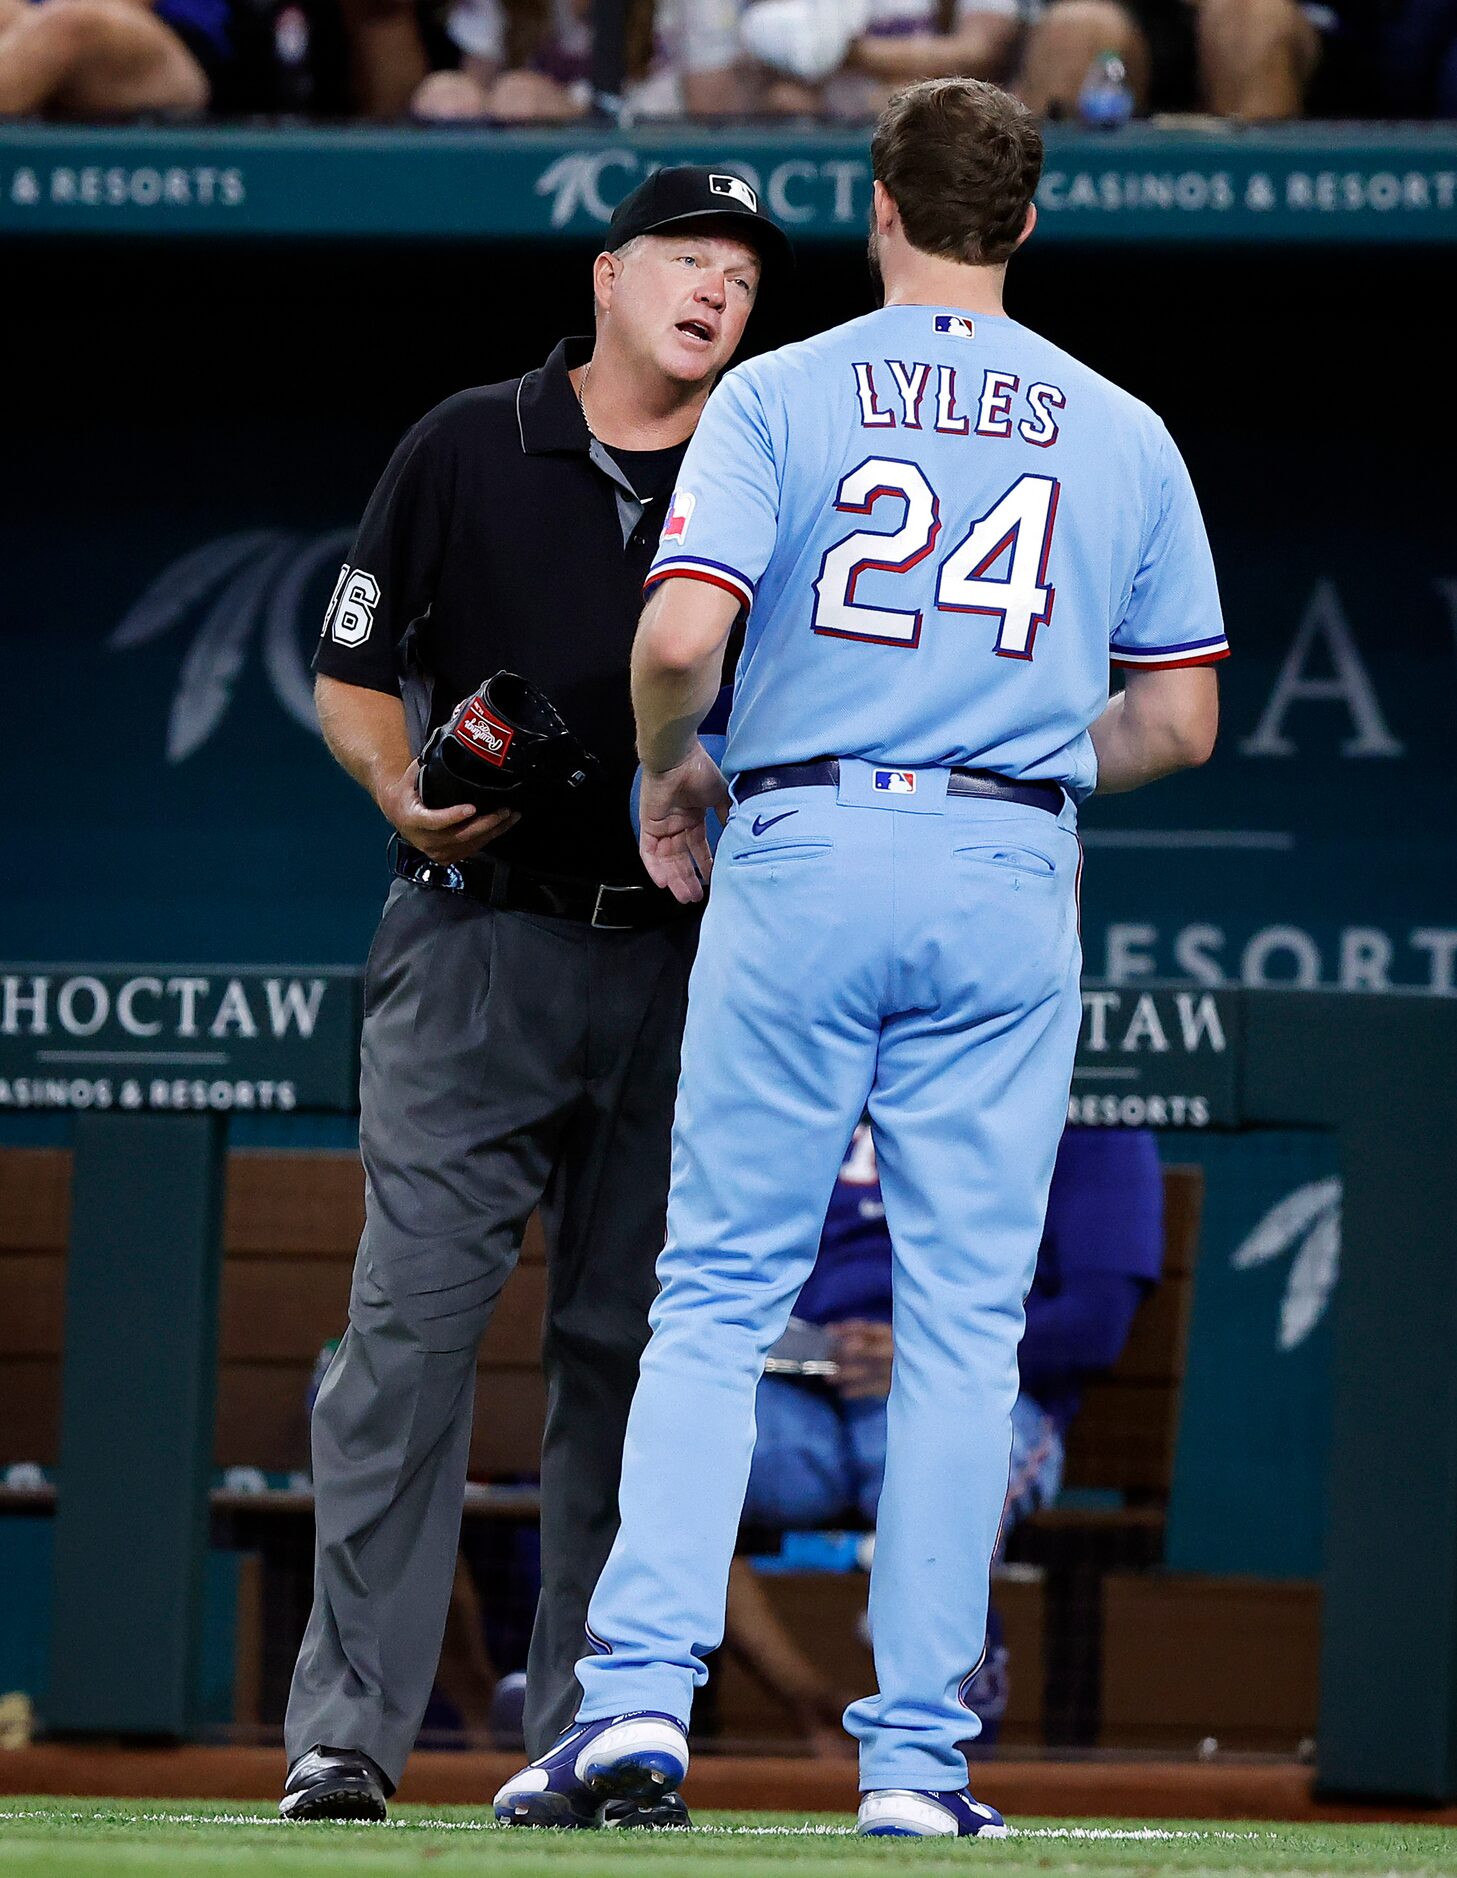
1381 186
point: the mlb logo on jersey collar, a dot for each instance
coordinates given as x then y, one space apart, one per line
955 326
883 786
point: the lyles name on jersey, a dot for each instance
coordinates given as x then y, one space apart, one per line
894 394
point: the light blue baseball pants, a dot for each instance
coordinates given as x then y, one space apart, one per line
917 957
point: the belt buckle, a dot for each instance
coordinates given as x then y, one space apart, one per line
608 925
443 876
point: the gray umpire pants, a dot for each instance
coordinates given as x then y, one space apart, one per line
508 1062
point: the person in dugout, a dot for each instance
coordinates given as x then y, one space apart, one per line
819 1456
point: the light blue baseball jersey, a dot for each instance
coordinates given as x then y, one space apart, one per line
944 527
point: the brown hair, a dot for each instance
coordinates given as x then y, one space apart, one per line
961 160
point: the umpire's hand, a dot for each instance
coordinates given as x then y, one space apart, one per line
444 834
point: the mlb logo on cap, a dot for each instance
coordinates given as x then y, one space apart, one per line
686 193
896 782
955 325
682 507
736 187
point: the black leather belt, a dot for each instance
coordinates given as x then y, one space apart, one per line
825 773
518 890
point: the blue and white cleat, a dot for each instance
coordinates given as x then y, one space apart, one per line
641 1757
903 1813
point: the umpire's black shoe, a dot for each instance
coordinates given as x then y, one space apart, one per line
334 1783
667 1814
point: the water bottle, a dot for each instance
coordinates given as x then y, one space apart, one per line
293 76
1106 99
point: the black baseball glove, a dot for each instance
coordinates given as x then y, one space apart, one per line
503 747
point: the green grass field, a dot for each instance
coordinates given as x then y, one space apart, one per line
197 1839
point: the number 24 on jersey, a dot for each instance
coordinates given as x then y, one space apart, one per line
1014 536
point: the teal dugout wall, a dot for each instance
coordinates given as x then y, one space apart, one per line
155 1058
142 1313
138 1399
1379 1071
1249 1491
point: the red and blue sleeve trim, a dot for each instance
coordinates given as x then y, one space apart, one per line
716 573
1168 658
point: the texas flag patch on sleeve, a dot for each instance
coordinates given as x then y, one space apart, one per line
680 513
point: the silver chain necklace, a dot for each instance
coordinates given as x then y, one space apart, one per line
582 401
646 501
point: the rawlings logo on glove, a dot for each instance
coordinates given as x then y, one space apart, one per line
483 732
503 747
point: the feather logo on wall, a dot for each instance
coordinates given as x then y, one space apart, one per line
237 591
1306 1222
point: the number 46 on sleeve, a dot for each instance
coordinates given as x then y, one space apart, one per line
1017 529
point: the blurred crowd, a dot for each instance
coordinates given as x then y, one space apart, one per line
531 61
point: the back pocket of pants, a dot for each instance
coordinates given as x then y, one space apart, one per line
782 851
1008 855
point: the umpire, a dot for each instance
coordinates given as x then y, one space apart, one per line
525 991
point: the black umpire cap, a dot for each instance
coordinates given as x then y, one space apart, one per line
688 193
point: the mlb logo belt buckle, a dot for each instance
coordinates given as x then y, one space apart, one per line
892 786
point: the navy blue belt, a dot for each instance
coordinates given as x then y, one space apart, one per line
824 773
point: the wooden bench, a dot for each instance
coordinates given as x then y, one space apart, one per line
1123 1438
1120 1464
291 1228
292 1224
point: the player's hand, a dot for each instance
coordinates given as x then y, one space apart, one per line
444 834
864 1352
672 812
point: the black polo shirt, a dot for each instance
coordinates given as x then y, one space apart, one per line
502 536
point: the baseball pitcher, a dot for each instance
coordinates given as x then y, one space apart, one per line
943 529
